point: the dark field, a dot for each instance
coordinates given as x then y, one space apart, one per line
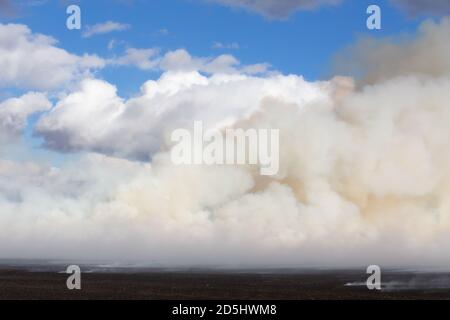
44 282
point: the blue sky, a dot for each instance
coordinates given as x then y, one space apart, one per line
302 44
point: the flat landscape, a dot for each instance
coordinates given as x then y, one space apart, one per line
46 282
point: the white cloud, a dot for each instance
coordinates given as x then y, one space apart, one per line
229 46
14 112
144 59
95 118
111 44
181 60
30 60
105 27
114 43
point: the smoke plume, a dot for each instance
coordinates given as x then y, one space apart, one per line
364 170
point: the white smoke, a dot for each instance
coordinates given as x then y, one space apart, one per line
364 175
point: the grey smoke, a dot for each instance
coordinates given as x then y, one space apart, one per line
373 60
281 9
277 9
418 7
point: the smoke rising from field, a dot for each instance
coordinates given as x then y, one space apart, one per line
364 173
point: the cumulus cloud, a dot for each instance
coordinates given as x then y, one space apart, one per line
94 118
427 53
182 60
30 60
14 112
276 9
105 27
144 59
417 7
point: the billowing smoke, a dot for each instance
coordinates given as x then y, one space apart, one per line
426 54
364 173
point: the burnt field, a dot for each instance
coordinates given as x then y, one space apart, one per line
48 283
